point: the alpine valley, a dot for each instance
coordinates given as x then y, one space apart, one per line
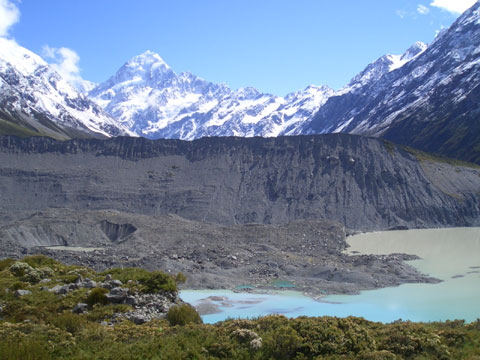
230 189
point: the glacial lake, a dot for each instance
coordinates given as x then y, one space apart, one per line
452 255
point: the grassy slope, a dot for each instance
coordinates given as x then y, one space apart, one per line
9 128
42 326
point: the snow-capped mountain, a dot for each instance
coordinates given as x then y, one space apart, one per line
149 98
385 64
36 98
431 101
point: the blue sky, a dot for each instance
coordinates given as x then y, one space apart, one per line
277 46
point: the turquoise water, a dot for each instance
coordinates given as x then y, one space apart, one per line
452 255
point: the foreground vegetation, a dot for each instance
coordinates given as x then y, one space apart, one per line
41 325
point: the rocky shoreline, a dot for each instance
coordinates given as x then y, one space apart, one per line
305 256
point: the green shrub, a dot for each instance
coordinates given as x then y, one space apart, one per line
158 281
19 285
68 278
6 263
26 349
20 268
97 296
99 312
182 315
28 273
69 322
283 343
180 278
152 282
376 355
129 273
37 261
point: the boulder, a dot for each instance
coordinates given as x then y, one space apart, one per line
20 293
117 295
89 284
138 319
80 308
131 300
59 290
116 283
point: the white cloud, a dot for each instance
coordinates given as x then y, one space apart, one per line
401 13
64 61
454 6
9 15
422 9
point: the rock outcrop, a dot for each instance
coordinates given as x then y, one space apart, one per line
363 183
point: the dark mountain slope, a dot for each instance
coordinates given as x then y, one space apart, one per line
361 182
431 103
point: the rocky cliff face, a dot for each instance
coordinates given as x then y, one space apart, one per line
363 183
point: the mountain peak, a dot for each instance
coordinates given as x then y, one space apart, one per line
148 60
17 56
414 50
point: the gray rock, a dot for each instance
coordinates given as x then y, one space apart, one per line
80 308
90 284
138 319
131 300
117 295
72 286
20 293
116 283
57 289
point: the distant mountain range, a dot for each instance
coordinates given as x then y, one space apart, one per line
428 98
149 98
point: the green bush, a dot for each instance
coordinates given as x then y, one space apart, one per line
376 355
69 322
27 349
99 312
20 268
37 261
6 263
283 343
97 296
129 273
180 278
151 282
182 315
158 281
19 285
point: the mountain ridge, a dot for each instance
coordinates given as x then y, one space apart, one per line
147 100
35 99
242 180
147 96
430 103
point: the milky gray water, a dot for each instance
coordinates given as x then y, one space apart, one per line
452 255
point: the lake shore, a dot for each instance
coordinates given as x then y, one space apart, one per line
455 260
306 255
